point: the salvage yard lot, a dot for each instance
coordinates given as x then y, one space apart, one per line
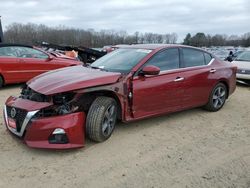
194 148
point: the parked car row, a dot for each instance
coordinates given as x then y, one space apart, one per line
238 56
223 51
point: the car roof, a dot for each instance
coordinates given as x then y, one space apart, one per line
14 44
156 46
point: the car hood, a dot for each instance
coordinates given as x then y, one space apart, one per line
242 64
71 78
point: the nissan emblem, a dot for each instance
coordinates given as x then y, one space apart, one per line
13 112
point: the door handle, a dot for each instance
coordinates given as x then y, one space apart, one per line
178 79
22 61
212 70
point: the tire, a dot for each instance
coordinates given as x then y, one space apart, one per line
1 81
101 119
217 98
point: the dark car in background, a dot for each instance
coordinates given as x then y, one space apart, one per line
19 63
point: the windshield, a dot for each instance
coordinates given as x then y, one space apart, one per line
244 56
121 60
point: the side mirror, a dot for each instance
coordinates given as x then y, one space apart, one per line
150 70
50 58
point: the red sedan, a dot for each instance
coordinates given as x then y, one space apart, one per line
20 63
57 109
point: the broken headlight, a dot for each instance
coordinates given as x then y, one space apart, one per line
63 98
63 104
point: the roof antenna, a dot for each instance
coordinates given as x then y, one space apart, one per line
1 31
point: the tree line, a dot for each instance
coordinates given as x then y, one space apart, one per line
201 39
33 33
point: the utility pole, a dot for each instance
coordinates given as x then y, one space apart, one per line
1 31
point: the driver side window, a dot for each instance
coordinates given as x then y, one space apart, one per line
25 52
165 60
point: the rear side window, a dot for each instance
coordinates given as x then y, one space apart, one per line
25 52
165 60
193 57
208 58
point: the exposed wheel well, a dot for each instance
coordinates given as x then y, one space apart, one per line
88 98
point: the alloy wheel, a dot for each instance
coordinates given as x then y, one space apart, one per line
219 97
109 120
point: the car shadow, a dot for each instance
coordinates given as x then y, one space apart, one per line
242 84
131 127
11 86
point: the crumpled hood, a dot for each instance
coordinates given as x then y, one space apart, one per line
71 78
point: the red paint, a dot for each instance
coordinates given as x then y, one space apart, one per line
151 70
71 78
73 124
26 104
12 123
152 95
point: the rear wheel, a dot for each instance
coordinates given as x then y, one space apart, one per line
217 98
101 119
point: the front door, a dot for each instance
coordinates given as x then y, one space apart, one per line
32 62
161 93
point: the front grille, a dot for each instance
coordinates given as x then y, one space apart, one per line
242 71
19 117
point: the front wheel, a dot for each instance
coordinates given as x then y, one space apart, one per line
1 81
101 119
217 98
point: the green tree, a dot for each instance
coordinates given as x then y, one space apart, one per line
187 40
199 40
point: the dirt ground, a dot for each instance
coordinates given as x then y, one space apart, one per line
194 148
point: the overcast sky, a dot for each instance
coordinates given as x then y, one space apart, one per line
160 16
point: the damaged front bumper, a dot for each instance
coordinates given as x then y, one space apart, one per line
55 132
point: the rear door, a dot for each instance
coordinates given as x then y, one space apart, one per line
161 93
196 71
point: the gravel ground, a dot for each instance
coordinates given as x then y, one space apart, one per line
194 148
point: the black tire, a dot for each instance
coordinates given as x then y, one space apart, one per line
101 119
217 98
1 81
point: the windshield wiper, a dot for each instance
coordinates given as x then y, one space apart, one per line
99 68
241 60
94 67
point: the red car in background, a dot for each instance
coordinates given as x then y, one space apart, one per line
20 63
57 109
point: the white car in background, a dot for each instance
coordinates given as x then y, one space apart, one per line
243 64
